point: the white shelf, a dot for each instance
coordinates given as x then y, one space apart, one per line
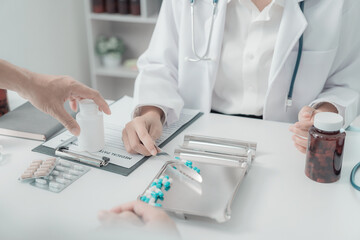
135 31
123 18
121 72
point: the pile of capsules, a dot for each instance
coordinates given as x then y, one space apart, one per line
154 193
53 174
189 164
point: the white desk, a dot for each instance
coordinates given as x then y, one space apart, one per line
276 200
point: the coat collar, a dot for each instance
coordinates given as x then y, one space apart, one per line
292 26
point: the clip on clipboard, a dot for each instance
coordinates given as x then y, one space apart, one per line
63 151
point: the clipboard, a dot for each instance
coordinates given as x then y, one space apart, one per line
112 167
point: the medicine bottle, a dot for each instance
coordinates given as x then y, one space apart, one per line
111 6
98 6
91 123
135 8
4 105
325 148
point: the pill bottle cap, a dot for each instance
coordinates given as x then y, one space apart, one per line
88 106
328 121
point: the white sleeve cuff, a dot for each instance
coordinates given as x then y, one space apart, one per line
137 111
341 110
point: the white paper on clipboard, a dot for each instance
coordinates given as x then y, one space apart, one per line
114 124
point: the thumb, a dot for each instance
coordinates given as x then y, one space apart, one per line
67 120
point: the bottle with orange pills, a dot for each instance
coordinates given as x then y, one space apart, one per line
325 148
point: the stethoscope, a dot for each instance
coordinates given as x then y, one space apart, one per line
205 57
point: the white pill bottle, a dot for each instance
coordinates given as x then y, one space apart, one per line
91 123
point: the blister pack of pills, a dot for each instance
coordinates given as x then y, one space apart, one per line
38 169
53 174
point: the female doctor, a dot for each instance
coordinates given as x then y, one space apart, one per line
280 60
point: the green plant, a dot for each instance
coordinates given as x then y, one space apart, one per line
109 45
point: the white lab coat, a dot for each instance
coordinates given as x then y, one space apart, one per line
329 69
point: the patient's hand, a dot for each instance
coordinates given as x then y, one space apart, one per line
139 214
49 92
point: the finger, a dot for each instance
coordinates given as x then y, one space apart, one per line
298 131
88 93
300 141
145 137
300 148
103 215
143 210
110 218
306 113
305 125
134 141
126 142
155 131
73 105
130 216
66 119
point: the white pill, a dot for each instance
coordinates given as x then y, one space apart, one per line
165 180
152 188
62 180
74 172
60 168
152 200
51 178
171 180
65 163
41 181
55 185
79 167
55 173
68 176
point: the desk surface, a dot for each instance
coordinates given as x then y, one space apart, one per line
275 201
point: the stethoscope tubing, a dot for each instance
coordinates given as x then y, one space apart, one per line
352 176
204 57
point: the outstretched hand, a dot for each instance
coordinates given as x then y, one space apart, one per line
139 214
48 93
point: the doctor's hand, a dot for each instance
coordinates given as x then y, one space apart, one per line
139 214
48 93
140 134
306 120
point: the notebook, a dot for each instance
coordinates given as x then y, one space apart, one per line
27 121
